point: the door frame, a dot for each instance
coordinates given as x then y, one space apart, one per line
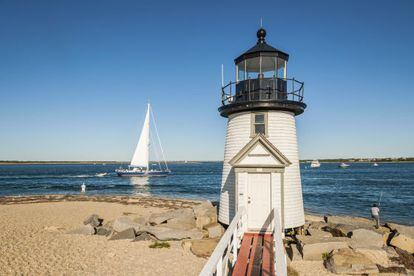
241 196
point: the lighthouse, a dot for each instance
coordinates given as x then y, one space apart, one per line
261 170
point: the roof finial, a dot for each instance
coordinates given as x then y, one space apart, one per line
261 22
261 34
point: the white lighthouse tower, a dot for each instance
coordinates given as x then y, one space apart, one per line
261 162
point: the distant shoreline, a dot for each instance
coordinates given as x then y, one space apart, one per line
378 160
90 162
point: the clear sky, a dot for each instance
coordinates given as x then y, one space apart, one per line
75 76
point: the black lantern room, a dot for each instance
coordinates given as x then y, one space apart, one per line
262 82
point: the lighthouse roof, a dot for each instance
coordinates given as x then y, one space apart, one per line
262 49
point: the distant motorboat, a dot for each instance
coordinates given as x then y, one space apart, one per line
315 164
140 165
375 165
343 165
100 174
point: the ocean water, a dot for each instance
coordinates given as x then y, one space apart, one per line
326 190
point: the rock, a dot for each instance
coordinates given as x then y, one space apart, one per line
402 229
184 223
164 233
186 245
339 230
103 231
124 223
403 242
83 230
347 261
348 220
293 253
319 233
143 236
128 234
312 248
317 225
203 248
393 270
93 220
140 220
205 213
183 213
215 230
377 256
362 238
391 253
405 258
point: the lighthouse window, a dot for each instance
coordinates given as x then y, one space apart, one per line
259 123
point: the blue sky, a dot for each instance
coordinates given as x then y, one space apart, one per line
75 76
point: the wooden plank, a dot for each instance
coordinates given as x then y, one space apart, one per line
268 262
240 268
252 252
256 264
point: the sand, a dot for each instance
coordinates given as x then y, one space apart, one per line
32 244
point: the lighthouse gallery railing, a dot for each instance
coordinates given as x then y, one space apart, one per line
219 263
263 89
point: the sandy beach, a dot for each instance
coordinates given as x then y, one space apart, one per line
34 241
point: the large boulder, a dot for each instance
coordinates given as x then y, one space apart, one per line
402 229
313 248
165 233
184 214
347 261
127 234
319 233
205 213
356 221
403 242
363 238
124 223
202 248
143 236
93 220
317 225
182 222
215 230
140 220
339 230
377 256
83 230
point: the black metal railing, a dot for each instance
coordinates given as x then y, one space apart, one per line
262 89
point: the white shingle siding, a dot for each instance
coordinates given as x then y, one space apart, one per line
282 134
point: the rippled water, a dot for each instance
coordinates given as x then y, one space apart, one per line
327 190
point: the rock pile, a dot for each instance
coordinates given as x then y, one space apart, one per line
349 245
196 223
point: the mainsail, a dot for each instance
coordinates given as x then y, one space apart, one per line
141 154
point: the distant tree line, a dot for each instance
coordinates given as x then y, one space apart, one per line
363 160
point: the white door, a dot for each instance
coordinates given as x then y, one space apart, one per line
259 202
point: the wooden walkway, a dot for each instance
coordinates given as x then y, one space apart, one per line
255 256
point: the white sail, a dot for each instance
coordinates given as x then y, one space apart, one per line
141 154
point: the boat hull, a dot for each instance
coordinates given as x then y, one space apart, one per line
128 173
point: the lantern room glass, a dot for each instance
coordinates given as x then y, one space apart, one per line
261 67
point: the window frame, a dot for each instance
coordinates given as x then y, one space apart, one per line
253 123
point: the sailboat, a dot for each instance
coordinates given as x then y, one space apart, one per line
140 165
